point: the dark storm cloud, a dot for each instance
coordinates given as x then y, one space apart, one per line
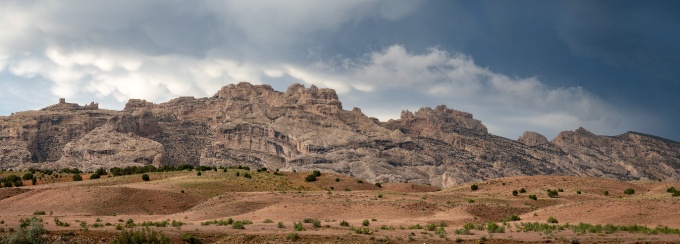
522 65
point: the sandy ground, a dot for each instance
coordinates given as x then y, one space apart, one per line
390 210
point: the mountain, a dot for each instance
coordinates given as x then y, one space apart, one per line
307 129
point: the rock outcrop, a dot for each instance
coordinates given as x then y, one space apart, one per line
307 129
532 139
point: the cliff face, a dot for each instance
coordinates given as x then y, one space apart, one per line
307 129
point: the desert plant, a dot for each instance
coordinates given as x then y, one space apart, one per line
365 222
30 231
190 239
606 193
552 193
310 178
238 225
522 190
39 213
552 220
360 181
130 223
280 225
100 171
513 218
316 173
474 187
247 175
578 192
27 176
298 226
533 197
94 176
515 192
293 236
431 227
378 185
141 236
77 177
267 221
629 191
145 177
198 173
560 190
344 223
337 179
492 227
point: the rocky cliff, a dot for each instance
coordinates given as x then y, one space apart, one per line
308 129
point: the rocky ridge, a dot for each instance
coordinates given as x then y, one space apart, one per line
308 129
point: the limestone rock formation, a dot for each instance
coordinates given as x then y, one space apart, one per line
307 129
533 139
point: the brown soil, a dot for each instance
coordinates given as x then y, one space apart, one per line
391 210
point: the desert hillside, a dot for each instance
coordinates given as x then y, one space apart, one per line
307 129
272 206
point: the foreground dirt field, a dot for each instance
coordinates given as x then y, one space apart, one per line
393 213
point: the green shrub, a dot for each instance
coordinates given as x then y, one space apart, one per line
199 173
280 225
378 185
238 225
316 173
27 176
30 231
415 227
77 177
145 177
578 192
141 236
59 223
513 218
316 223
629 191
606 193
176 223
344 223
431 227
522 190
337 179
365 222
552 193
293 236
190 239
100 171
298 226
360 181
130 223
492 227
310 178
94 176
533 197
560 190
671 190
552 220
474 187
33 181
463 232
267 221
515 192
39 213
247 175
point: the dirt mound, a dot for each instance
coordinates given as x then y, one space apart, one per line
98 201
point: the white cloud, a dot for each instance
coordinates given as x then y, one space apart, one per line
457 81
157 50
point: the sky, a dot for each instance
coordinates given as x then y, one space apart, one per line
544 66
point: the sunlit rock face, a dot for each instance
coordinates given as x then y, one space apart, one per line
307 129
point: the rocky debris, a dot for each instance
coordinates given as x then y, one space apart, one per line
532 139
307 129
